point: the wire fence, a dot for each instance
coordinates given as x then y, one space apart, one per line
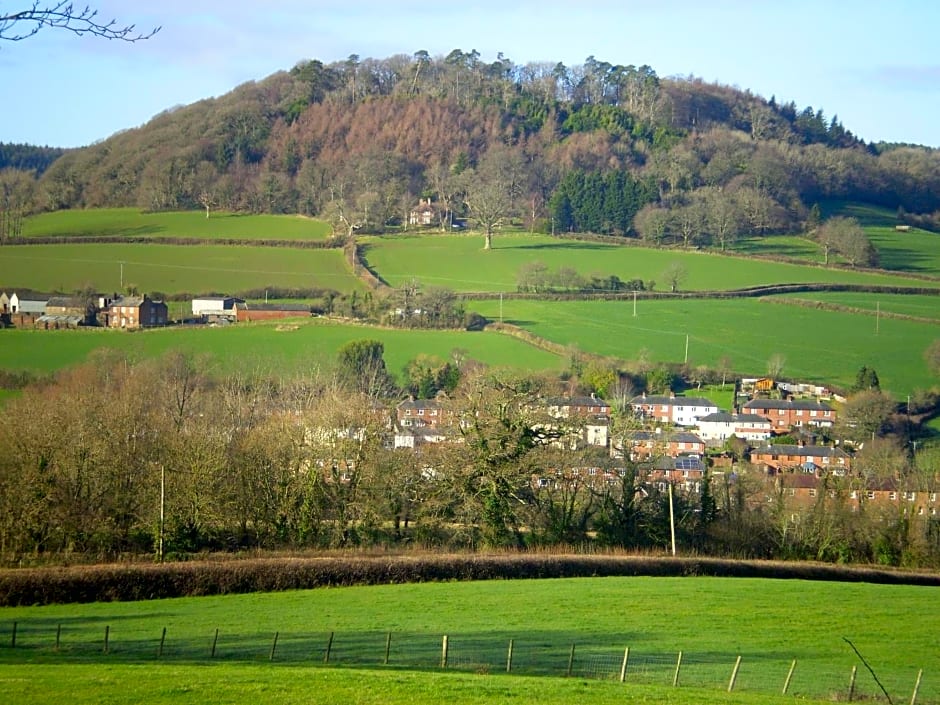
88 641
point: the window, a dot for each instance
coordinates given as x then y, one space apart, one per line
812 491
870 494
933 496
893 495
853 494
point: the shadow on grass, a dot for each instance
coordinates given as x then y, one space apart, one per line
560 245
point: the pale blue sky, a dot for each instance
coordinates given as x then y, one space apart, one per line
874 64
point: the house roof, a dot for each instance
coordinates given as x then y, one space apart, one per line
662 400
801 451
678 437
132 301
576 401
65 302
419 404
805 404
725 417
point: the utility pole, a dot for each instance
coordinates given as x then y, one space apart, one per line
686 348
500 307
634 303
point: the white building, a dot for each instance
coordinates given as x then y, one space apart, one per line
721 426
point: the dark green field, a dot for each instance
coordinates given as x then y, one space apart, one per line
712 621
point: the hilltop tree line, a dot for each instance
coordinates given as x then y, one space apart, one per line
612 149
251 460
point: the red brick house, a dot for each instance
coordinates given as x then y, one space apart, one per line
641 445
682 411
419 412
785 414
130 312
807 459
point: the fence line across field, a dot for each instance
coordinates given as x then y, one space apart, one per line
479 654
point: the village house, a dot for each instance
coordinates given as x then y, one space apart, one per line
419 412
685 472
423 214
809 459
131 312
784 414
716 428
642 445
800 492
678 410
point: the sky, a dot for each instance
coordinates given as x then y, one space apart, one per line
875 65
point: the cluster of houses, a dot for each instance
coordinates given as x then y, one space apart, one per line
33 310
671 435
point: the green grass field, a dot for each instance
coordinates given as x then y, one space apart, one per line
169 269
183 224
459 262
263 347
824 346
711 621
919 306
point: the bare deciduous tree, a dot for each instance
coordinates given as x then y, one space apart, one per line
17 25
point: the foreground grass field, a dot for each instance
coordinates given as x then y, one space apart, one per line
711 620
300 345
168 269
459 262
824 346
132 222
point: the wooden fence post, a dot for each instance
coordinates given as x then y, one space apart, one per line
107 637
786 683
675 678
570 662
509 657
162 642
623 666
734 674
444 646
852 683
273 646
329 648
920 673
215 641
388 646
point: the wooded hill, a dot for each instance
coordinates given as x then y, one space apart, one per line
581 148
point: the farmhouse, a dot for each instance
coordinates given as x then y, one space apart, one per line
130 312
784 414
719 427
682 411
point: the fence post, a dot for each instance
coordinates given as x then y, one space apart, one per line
734 674
444 652
852 683
623 666
107 636
13 638
329 648
570 662
786 683
675 678
920 673
215 641
273 646
388 646
58 636
509 657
